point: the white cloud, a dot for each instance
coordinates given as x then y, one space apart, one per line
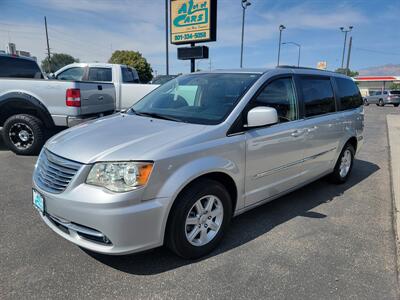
306 17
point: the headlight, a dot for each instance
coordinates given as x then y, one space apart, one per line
120 176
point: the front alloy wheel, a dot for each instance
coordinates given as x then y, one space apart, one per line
198 219
204 220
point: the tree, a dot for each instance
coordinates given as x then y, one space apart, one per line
394 86
57 61
133 59
350 73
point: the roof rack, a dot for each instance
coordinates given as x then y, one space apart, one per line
306 68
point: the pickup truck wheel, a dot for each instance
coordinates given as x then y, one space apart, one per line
24 134
366 102
381 102
199 219
343 165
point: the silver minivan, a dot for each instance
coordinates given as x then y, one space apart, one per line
199 150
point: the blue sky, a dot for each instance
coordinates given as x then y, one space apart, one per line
90 30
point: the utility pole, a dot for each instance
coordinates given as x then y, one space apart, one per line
345 40
48 47
281 28
166 38
348 56
245 4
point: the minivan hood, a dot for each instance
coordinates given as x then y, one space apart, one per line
120 137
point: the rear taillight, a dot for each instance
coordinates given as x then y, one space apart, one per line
73 97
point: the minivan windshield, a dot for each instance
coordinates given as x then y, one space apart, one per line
202 98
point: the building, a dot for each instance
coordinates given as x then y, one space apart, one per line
23 53
375 83
11 49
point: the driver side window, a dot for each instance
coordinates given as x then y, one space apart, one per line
279 94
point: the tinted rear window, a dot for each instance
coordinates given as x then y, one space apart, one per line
317 95
129 76
19 68
100 74
348 93
395 92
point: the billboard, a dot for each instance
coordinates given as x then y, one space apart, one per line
193 21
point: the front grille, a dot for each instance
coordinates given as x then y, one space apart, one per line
53 173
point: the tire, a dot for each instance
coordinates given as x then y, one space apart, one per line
366 102
396 105
339 176
184 209
381 103
24 134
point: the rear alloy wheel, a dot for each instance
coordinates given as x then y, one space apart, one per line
366 102
381 102
23 134
199 219
343 165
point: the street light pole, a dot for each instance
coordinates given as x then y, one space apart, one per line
281 28
245 4
345 40
299 46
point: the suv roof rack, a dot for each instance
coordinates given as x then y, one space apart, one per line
305 68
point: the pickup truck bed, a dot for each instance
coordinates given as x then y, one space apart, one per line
30 107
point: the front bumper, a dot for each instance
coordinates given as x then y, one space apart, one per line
122 223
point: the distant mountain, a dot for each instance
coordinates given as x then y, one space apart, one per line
390 69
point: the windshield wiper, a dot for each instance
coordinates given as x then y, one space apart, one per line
156 115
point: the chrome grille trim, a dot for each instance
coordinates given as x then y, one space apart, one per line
53 173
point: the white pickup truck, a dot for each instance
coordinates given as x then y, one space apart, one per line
31 107
128 89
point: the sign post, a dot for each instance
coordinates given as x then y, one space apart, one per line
193 21
192 61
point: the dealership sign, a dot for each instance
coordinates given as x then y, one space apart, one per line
193 21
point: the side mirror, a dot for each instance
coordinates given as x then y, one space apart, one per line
261 116
51 76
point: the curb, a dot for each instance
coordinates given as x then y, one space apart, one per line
393 127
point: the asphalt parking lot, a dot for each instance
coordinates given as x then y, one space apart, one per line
322 241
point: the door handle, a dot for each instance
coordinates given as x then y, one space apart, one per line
101 98
297 133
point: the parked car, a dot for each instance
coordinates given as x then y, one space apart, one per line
381 98
31 106
126 80
195 152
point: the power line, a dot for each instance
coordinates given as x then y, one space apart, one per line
376 51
